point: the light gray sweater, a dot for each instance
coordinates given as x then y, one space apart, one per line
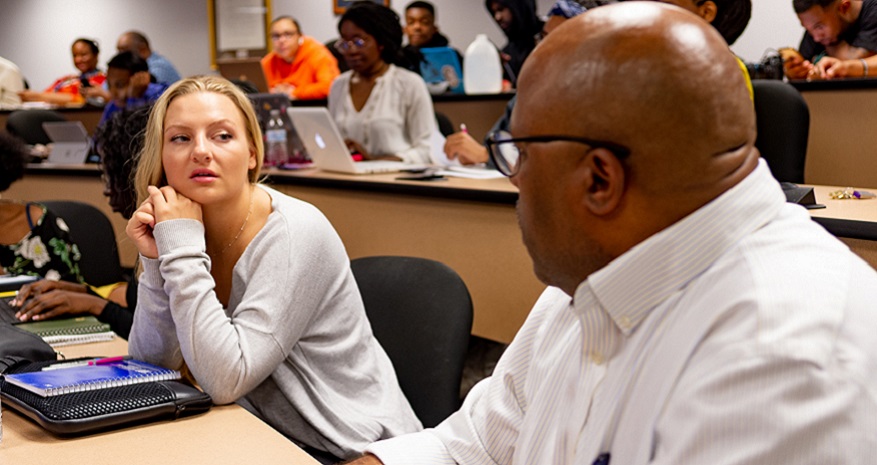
294 344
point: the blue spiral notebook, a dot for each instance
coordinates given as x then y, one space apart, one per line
49 383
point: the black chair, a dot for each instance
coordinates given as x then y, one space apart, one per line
93 233
342 63
445 126
28 124
783 122
421 313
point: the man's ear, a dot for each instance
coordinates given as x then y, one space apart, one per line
605 181
843 7
708 11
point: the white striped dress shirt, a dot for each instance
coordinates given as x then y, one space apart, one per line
743 334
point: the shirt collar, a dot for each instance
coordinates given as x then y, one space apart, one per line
630 286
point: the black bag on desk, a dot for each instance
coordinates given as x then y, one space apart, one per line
101 409
20 343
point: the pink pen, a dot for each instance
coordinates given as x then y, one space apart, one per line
109 360
463 128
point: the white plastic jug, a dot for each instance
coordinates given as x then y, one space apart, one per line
482 69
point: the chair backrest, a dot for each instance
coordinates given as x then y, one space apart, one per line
28 124
421 313
93 233
783 122
446 127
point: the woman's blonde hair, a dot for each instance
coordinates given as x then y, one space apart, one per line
150 171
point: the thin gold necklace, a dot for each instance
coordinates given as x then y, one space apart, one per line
244 225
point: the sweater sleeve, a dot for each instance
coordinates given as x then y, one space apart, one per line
419 121
279 285
153 335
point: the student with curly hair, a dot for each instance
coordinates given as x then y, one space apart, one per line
118 141
33 240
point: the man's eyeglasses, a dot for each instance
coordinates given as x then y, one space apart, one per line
347 45
506 155
283 35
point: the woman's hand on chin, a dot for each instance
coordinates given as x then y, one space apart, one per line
140 228
169 204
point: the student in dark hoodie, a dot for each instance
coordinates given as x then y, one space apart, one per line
518 20
421 27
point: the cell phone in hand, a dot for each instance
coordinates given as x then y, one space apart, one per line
83 81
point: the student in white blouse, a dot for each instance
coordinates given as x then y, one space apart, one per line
694 316
383 110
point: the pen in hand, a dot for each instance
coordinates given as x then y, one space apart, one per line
463 128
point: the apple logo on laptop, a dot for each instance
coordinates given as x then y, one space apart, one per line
319 140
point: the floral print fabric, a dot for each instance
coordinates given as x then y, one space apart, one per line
47 251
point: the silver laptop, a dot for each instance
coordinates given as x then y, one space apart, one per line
327 149
70 142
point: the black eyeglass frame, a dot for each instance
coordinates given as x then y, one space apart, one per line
344 46
502 165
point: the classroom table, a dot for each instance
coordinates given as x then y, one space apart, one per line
842 144
87 114
226 434
470 225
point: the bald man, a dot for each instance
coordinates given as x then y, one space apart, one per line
159 66
693 316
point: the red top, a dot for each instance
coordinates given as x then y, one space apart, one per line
70 84
311 72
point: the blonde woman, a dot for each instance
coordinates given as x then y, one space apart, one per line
249 288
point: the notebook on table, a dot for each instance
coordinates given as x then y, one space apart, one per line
87 377
70 142
10 283
67 331
327 149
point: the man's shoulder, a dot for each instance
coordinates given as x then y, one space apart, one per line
868 15
157 58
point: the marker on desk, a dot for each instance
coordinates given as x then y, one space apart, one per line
109 360
85 363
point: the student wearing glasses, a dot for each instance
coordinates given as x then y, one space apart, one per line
674 329
298 65
383 110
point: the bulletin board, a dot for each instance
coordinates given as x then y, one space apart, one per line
238 28
340 6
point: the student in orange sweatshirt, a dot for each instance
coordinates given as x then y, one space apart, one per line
299 66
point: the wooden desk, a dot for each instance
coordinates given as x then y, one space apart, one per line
226 434
853 221
842 144
470 225
89 116
478 112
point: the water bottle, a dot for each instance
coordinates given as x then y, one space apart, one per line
482 69
276 136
